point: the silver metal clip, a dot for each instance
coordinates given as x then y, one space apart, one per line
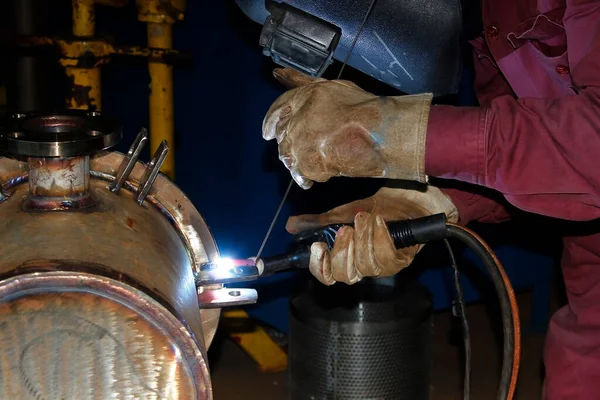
226 297
152 170
129 161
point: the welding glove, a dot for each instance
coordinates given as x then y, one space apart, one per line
367 250
334 128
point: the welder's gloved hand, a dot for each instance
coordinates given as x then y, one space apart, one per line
367 250
333 128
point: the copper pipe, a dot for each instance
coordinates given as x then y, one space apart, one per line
58 183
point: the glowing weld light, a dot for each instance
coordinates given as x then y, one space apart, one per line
224 262
225 269
228 262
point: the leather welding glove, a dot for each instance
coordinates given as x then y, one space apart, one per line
334 128
367 250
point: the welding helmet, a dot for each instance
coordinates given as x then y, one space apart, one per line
414 46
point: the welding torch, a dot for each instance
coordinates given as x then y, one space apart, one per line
404 234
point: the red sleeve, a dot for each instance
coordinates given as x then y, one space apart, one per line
542 154
477 207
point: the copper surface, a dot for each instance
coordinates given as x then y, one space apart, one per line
59 183
188 233
117 232
59 177
75 335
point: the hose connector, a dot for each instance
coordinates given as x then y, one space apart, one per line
411 232
405 233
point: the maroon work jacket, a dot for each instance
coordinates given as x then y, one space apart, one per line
536 140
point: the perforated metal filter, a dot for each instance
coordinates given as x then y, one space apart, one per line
361 344
77 344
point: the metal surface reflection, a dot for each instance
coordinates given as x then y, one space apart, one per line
68 336
99 289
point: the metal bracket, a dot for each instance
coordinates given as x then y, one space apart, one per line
152 170
129 161
226 297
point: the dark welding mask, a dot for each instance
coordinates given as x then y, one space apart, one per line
412 45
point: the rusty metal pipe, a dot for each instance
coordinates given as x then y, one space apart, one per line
84 88
84 18
58 183
85 85
161 94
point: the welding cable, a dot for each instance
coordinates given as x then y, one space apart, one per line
427 229
462 314
508 304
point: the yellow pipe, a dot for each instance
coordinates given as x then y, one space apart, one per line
84 18
161 95
85 85
84 88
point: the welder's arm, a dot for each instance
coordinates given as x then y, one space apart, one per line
334 128
367 249
542 154
477 204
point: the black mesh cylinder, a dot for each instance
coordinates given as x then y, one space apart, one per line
366 341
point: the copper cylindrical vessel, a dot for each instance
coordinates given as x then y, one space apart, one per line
99 296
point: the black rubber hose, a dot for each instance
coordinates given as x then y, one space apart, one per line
507 320
423 230
462 314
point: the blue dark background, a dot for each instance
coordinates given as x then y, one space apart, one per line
234 177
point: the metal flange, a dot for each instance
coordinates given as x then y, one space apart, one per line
69 134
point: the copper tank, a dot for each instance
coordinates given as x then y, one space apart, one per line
99 290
